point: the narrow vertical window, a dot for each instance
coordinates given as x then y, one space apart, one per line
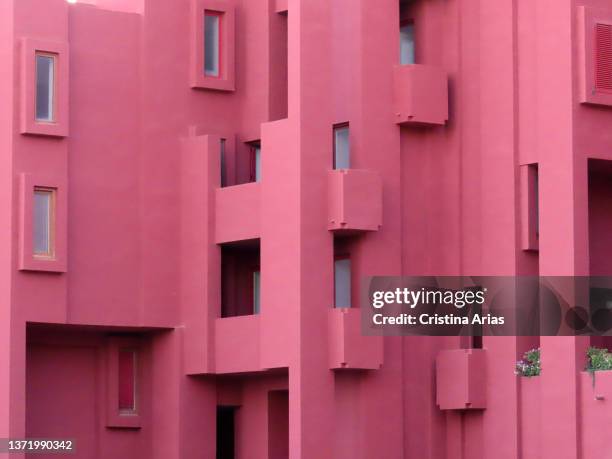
407 43
342 148
530 207
258 163
256 292
342 283
223 164
45 84
212 44
43 222
255 162
536 199
127 381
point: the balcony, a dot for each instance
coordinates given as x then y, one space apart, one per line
237 213
420 95
461 379
348 348
355 201
237 344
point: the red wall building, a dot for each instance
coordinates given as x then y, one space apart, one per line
194 191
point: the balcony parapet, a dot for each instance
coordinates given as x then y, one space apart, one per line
420 95
355 200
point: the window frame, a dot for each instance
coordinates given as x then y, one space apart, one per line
530 208
225 81
52 88
337 127
588 19
404 23
30 124
219 15
28 260
254 152
115 416
342 257
256 289
50 253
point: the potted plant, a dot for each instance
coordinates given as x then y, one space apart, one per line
530 365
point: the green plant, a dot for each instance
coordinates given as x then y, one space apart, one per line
598 359
530 365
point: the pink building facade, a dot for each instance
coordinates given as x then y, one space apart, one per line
195 190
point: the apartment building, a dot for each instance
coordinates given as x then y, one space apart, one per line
194 193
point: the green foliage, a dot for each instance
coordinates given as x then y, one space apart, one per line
598 359
530 365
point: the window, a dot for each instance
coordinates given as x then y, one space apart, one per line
127 381
126 375
603 58
342 148
212 43
595 55
43 222
222 163
407 43
255 162
256 291
342 282
530 210
45 87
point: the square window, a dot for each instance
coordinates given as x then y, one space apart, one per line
45 87
43 222
342 147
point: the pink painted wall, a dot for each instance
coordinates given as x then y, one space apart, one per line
146 217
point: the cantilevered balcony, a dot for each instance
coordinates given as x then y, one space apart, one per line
355 200
420 95
461 379
348 347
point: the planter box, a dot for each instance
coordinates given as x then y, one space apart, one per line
461 379
596 399
530 416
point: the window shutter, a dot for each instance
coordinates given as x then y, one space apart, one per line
603 58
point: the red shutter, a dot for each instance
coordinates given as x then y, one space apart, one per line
603 58
127 380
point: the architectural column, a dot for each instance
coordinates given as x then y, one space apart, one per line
563 222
